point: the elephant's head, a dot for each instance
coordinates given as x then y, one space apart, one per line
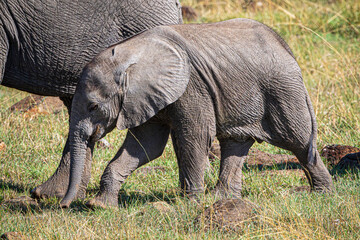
123 86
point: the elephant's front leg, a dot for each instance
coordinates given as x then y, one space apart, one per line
192 144
142 144
57 184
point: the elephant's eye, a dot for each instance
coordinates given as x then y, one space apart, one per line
93 107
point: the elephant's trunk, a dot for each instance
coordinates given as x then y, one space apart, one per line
78 147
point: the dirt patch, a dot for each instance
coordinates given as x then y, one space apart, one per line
35 104
13 236
260 159
22 204
334 153
189 14
228 214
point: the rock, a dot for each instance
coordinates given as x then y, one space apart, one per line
228 214
38 104
188 14
22 204
261 159
333 153
162 207
350 162
13 236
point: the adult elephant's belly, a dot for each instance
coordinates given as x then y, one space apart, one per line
51 69
62 84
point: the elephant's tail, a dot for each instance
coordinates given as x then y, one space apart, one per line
312 142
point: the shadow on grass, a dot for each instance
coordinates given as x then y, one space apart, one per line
276 166
9 185
127 199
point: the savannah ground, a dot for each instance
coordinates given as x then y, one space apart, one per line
324 36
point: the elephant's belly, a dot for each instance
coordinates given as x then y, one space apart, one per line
38 84
243 132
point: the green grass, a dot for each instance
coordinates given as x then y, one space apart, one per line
324 36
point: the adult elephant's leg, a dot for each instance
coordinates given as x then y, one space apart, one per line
4 48
142 144
57 184
233 155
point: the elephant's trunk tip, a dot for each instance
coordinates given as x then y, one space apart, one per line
65 203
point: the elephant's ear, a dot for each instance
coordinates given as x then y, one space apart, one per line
157 75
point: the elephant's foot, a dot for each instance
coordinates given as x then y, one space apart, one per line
53 189
103 201
55 186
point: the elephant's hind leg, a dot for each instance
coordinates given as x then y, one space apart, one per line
57 184
295 130
142 144
315 170
233 155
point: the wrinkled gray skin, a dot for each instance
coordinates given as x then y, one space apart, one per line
236 80
45 44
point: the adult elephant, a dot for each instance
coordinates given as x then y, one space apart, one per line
44 45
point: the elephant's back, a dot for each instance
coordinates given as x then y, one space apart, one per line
55 39
243 64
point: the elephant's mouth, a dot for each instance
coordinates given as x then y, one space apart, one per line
99 133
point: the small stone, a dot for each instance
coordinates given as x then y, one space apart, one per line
228 214
13 236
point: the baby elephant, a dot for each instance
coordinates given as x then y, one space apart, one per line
236 80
